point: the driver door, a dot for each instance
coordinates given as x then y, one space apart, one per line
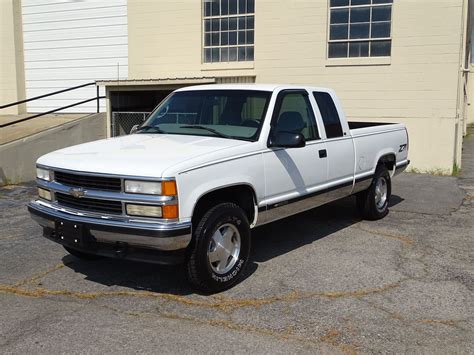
291 174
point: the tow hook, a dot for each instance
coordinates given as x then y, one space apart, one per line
121 249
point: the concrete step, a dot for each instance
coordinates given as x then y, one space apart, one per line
23 143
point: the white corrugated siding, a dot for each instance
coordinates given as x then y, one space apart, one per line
69 43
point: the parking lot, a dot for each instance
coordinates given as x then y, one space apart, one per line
320 281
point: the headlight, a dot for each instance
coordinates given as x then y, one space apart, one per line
144 210
44 174
165 188
143 187
44 194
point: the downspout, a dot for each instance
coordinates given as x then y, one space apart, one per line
460 119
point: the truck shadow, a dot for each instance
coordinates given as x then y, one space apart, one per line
268 242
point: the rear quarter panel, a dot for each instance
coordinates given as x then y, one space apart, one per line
372 143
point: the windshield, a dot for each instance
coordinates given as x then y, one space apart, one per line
233 114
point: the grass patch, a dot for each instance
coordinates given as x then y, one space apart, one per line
435 171
456 170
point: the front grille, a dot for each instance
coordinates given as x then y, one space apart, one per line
89 204
91 182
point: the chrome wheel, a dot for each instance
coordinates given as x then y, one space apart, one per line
381 192
224 248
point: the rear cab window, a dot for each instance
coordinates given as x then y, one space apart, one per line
329 114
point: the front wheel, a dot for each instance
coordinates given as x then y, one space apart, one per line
372 203
220 248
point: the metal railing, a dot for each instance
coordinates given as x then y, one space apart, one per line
97 98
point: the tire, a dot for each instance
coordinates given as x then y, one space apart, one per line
372 203
212 268
81 255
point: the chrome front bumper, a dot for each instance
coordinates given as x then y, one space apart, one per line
158 236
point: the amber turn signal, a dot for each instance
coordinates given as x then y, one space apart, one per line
168 188
170 211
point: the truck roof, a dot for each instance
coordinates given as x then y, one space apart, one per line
257 87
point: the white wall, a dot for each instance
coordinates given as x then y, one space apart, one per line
69 43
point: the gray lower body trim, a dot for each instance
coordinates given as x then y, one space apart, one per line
288 208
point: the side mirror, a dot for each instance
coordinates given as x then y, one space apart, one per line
286 140
134 129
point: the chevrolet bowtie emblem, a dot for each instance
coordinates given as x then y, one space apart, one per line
77 192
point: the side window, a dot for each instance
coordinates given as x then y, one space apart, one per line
296 115
332 123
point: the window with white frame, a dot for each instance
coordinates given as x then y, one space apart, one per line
228 30
360 28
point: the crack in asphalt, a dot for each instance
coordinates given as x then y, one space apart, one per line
223 303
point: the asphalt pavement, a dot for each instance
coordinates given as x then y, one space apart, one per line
322 281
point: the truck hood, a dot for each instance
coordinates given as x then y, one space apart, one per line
147 155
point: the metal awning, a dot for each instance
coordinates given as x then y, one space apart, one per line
162 83
158 81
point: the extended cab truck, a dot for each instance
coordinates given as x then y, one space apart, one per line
208 165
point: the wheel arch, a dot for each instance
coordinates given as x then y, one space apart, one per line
389 160
242 194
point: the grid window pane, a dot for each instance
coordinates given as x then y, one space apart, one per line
224 54
339 32
242 7
224 38
233 23
215 54
249 51
380 30
224 7
382 13
241 54
215 24
250 22
340 16
233 38
250 37
380 48
382 1
215 39
232 7
207 54
338 50
241 37
360 14
241 23
250 6
224 24
359 31
228 30
232 54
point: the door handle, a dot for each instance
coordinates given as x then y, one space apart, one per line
323 153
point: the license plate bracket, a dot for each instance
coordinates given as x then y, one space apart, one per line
70 233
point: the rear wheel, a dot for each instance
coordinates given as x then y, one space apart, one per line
220 248
372 203
82 255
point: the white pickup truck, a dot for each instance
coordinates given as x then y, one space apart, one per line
209 164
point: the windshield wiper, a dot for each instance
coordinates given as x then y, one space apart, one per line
217 133
156 129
